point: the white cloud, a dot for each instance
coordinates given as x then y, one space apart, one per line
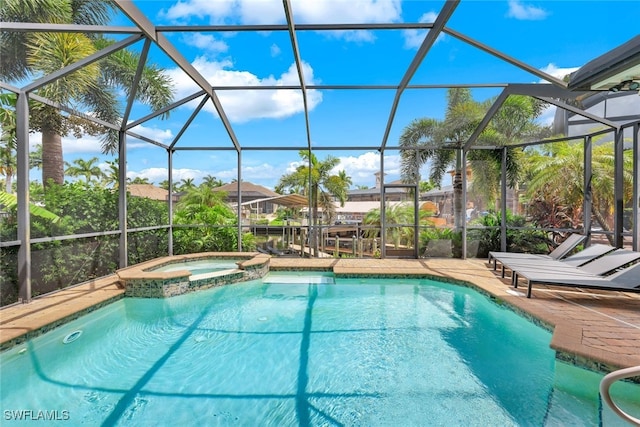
548 114
205 42
275 50
413 38
356 36
182 11
292 166
92 145
159 135
246 105
557 72
87 144
304 11
157 175
360 168
259 12
346 11
259 172
521 11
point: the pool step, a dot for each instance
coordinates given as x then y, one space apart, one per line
302 279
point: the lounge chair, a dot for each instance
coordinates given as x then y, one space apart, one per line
592 272
563 249
578 259
626 279
274 251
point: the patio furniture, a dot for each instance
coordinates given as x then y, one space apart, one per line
562 250
591 275
578 259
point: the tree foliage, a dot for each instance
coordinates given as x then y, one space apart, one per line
434 142
94 87
556 175
217 229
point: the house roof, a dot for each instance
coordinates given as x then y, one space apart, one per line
247 189
149 191
363 207
376 190
288 200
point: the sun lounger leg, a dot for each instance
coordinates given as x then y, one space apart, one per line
492 260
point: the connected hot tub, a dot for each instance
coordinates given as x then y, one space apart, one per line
180 274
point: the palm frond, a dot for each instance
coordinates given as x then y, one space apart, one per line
10 201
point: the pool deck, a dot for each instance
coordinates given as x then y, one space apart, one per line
599 330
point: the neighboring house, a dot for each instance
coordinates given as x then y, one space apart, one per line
443 198
373 194
353 212
149 191
251 192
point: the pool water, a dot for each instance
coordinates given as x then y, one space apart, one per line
202 266
299 350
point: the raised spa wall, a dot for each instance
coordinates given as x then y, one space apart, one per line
142 281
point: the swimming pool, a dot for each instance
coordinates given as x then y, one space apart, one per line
297 349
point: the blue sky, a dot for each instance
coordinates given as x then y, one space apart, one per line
554 36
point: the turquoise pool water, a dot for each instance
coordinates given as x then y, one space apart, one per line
202 266
298 350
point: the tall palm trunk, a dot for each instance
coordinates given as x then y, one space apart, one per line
602 221
8 169
457 199
52 161
8 183
458 216
313 235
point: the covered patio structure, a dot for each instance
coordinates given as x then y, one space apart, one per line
615 71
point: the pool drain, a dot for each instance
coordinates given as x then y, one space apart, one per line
72 337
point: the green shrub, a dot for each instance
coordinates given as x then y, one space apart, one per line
526 240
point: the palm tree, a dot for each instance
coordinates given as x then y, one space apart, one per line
315 180
85 168
35 157
96 86
8 165
8 141
186 184
164 184
438 141
212 181
395 215
425 186
461 117
557 172
141 180
112 176
201 196
10 202
513 122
